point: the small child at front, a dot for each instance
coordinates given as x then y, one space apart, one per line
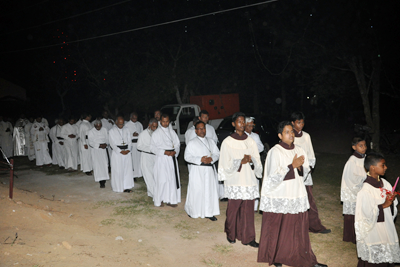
353 178
376 208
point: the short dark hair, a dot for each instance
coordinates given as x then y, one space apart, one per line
356 140
195 119
282 126
237 115
197 123
372 159
85 115
165 116
297 115
203 112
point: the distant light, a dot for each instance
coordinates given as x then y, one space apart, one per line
65 58
104 79
379 55
54 62
310 15
308 97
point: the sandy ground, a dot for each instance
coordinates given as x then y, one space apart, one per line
65 219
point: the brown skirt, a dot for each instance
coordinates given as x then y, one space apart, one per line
285 239
349 234
315 225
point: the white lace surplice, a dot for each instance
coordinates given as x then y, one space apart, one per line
352 180
377 242
305 143
239 185
277 195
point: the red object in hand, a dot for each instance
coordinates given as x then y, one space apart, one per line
387 192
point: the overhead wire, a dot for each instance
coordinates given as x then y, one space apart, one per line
74 16
142 28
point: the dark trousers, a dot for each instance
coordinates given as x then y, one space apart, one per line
349 234
239 223
362 263
315 225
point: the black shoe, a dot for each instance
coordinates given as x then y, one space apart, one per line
326 231
62 168
189 216
127 191
320 265
253 244
278 264
88 173
224 199
231 241
213 218
102 184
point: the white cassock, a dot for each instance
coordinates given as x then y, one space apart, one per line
138 128
30 149
147 160
304 141
40 141
43 121
210 133
57 148
166 169
260 148
19 137
6 138
377 242
202 195
108 124
121 165
70 146
86 154
99 155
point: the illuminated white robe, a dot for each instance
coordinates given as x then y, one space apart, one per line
377 242
210 133
121 165
202 195
165 189
305 142
70 145
138 128
86 154
6 138
147 160
241 184
353 178
57 149
30 149
40 141
99 155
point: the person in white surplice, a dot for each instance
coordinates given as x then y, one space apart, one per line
135 128
85 150
39 132
69 132
58 144
376 209
202 196
6 138
121 162
30 149
98 141
147 158
165 145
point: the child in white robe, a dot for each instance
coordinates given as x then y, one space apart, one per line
377 240
353 178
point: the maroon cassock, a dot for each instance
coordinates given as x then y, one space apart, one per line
349 234
315 225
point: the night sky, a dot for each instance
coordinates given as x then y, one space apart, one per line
279 56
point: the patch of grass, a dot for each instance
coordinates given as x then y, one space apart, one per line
182 226
130 225
329 168
188 236
223 249
212 263
107 222
104 204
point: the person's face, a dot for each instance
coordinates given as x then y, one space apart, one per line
31 119
287 135
120 123
89 118
98 126
360 147
380 168
71 121
200 130
204 118
249 127
164 122
105 114
239 124
39 119
153 126
157 115
298 125
61 122
134 118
